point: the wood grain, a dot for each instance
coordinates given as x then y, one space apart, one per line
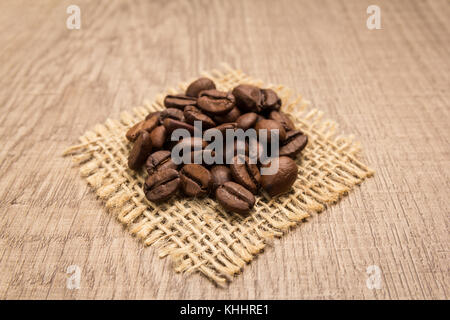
389 87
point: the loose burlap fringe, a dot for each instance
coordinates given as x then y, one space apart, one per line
198 234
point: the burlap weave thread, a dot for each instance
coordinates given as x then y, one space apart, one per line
198 234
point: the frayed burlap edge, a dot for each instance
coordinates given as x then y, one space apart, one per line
198 234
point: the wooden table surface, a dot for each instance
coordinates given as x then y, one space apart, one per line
389 87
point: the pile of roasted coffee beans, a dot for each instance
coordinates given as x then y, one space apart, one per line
233 185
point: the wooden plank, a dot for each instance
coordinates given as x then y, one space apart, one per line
389 87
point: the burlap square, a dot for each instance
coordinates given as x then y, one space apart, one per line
198 234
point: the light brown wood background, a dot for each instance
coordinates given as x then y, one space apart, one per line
389 87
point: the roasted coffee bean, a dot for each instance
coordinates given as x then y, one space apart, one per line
220 131
179 101
146 125
226 126
192 114
270 125
283 179
134 131
220 174
283 119
294 143
223 128
270 99
199 85
161 185
248 98
246 174
231 116
215 102
247 120
171 113
158 136
171 125
140 151
151 114
234 197
195 180
159 160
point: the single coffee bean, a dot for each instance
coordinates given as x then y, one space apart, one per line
222 128
294 143
151 114
220 131
220 174
159 160
199 85
283 119
140 151
246 173
195 180
231 116
171 125
283 179
158 136
271 126
171 113
215 102
226 126
270 99
248 98
145 125
134 132
192 114
161 185
179 101
247 120
234 197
